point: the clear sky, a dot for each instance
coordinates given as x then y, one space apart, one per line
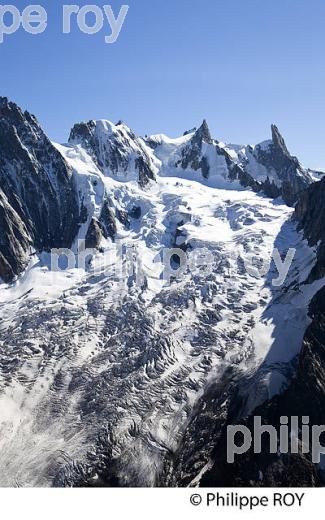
241 64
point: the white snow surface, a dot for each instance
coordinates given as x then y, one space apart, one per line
93 348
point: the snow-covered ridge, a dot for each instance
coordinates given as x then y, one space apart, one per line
116 150
196 155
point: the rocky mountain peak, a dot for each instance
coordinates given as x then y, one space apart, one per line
6 105
115 149
82 131
37 192
11 114
281 173
203 133
278 140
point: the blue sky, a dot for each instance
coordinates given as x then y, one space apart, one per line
241 64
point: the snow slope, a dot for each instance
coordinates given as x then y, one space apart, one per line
102 366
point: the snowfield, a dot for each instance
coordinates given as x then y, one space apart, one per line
111 358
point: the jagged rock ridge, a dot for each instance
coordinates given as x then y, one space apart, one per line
115 149
38 199
268 167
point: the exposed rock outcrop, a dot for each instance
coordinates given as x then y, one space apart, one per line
193 155
105 227
267 167
116 150
202 455
15 241
305 397
310 213
39 196
285 175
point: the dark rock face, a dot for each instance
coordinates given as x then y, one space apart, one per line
191 131
203 134
305 396
193 156
15 241
115 149
203 433
237 173
104 227
144 168
275 157
94 234
310 213
107 221
39 196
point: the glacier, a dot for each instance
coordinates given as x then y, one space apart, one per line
100 374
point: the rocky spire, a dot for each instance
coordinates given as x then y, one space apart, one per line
203 133
278 140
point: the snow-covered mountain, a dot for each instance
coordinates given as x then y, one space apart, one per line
268 167
111 372
116 150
